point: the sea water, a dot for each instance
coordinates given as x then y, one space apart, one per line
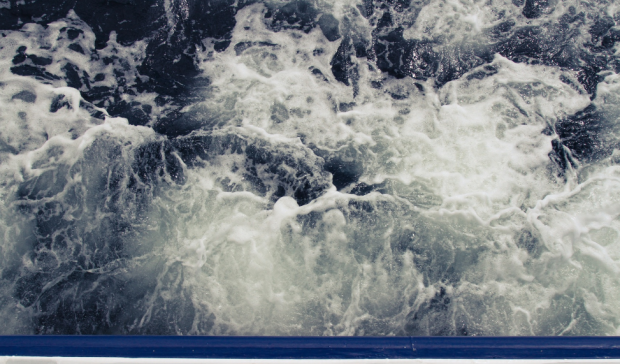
349 167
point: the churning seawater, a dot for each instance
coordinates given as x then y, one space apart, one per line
310 167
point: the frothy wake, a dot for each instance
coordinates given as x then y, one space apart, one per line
309 168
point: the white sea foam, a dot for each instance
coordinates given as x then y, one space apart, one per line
470 229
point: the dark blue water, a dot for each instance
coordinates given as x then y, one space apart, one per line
309 168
